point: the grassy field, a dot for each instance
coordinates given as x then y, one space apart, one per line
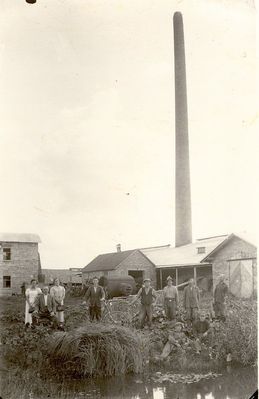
31 358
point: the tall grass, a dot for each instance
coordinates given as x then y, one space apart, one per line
96 350
238 334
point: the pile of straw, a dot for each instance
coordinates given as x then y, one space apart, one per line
96 350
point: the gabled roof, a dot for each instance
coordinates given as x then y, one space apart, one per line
19 237
242 236
184 255
107 261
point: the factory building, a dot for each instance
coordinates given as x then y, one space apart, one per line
204 260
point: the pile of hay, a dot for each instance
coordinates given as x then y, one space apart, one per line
96 350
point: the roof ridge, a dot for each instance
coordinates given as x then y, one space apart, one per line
117 252
210 238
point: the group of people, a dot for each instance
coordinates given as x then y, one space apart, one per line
201 328
46 304
191 301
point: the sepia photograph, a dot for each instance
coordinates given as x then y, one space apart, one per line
128 237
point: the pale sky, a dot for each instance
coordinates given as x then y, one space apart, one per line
87 116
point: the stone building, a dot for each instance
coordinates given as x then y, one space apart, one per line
120 264
19 261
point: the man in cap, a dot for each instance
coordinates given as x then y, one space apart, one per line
191 299
220 294
147 295
170 299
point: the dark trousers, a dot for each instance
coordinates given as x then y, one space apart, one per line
220 311
95 312
170 308
145 313
191 315
44 315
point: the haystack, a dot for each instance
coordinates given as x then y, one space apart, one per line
97 350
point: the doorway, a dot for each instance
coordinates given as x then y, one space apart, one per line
138 276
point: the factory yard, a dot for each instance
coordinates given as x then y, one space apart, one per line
102 360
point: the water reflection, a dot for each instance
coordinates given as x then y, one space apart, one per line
233 384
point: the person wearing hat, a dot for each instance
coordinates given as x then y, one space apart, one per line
147 295
177 340
220 294
191 299
170 299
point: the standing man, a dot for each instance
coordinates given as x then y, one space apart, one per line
191 299
171 299
220 295
95 295
147 295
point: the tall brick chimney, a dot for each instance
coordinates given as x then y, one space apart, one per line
183 217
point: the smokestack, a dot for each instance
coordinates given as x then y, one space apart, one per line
118 246
183 217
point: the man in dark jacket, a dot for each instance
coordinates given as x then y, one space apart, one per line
95 295
191 299
45 308
220 294
201 329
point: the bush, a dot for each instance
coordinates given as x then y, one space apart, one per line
97 350
22 347
238 335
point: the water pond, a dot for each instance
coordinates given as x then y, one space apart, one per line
230 383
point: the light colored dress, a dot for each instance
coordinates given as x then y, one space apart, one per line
58 293
30 294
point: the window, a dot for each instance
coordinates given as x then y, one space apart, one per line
6 253
6 281
201 250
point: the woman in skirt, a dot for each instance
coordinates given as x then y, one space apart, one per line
31 294
58 293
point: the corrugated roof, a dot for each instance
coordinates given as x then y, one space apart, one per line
184 255
107 261
19 237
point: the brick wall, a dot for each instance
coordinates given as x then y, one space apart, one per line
236 248
136 261
22 266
